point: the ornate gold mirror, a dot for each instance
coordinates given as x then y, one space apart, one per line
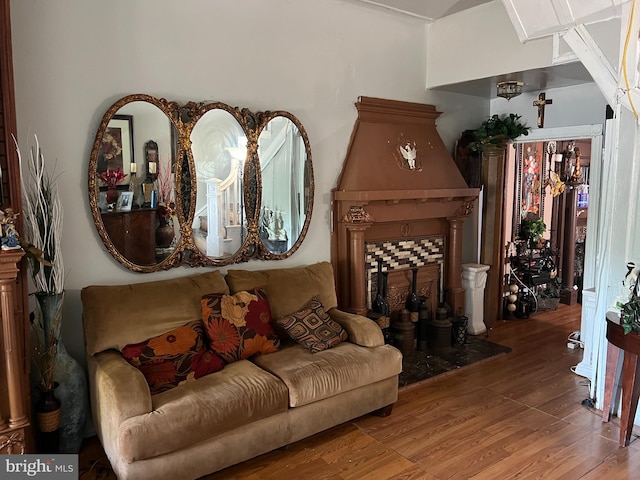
122 180
202 184
219 149
286 171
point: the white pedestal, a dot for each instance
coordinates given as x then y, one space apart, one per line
474 278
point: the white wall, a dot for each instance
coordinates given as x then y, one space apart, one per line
73 59
578 105
479 43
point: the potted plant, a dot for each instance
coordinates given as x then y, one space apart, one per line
112 178
532 229
57 371
630 314
497 131
549 296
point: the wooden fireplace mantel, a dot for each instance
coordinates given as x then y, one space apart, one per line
435 195
398 181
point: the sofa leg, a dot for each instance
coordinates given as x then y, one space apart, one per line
384 411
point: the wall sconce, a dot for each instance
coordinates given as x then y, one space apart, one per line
509 89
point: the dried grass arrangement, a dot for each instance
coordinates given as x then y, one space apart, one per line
42 241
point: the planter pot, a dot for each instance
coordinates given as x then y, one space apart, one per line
112 195
48 421
71 378
165 235
495 145
550 303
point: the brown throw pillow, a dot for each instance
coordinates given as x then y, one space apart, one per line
180 355
239 326
312 327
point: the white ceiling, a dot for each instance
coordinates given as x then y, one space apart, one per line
565 75
535 80
428 9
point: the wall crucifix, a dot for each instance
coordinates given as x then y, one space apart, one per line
541 103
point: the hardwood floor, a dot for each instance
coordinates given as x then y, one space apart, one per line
518 415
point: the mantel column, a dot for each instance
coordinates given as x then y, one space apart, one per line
12 357
455 292
357 267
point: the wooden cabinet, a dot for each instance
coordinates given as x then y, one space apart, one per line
133 234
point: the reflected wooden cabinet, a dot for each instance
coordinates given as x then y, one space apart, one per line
133 234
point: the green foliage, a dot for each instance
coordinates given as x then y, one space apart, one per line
552 288
532 228
630 314
496 130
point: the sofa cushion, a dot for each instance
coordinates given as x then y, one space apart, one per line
312 327
288 289
179 355
117 315
239 326
237 395
311 377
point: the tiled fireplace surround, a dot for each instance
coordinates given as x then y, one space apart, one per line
398 258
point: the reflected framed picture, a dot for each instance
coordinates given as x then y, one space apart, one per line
116 149
531 170
531 179
125 200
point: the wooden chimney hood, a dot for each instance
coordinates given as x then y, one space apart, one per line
398 181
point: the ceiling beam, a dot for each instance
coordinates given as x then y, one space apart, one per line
539 18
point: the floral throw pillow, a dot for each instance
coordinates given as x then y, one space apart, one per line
239 326
312 327
178 356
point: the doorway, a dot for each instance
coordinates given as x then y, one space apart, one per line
552 174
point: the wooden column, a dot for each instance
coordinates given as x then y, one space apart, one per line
11 434
356 232
568 295
455 292
492 249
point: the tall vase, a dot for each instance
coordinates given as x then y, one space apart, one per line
164 234
112 194
72 390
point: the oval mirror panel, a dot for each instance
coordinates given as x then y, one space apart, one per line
287 184
219 149
131 178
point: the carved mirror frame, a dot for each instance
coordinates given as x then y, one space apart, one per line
183 119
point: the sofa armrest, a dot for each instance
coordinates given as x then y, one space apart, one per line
118 391
362 330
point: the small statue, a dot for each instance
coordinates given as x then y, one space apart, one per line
409 153
279 231
10 239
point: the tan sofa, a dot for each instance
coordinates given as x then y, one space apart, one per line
251 406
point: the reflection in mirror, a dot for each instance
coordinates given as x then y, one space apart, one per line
131 228
205 183
219 148
287 190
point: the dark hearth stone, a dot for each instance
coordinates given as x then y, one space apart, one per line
420 365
